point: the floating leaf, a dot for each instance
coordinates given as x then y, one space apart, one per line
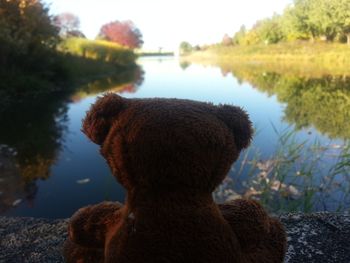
83 181
17 202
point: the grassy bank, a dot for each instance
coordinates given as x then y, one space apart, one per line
98 50
86 60
76 61
320 58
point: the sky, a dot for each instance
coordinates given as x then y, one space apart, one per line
166 23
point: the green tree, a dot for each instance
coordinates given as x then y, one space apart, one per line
342 14
239 35
251 38
302 21
310 19
25 30
270 31
185 48
322 15
294 25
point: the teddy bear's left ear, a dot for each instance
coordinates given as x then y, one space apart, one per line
101 115
237 120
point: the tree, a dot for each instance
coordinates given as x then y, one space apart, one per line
292 26
251 38
322 15
238 36
342 13
311 19
67 23
124 33
301 24
226 40
25 29
185 47
269 30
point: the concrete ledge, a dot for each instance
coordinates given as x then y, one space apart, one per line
318 237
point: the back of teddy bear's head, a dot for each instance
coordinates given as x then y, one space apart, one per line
167 144
99 119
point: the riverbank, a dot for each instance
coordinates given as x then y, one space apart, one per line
75 62
318 237
299 57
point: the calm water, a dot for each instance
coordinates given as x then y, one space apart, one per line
50 169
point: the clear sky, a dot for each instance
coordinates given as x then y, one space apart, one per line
165 23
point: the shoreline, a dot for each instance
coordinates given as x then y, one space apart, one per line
298 58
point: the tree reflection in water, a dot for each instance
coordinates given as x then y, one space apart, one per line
321 101
32 136
32 133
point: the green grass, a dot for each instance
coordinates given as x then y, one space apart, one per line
299 176
98 50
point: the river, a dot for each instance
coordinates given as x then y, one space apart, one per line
50 169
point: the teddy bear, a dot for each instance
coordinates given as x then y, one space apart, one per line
170 155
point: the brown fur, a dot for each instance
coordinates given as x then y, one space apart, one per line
170 155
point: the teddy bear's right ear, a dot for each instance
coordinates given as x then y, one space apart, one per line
237 120
100 117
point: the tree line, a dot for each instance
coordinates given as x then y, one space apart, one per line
326 20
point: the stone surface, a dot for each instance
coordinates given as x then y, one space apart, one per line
318 237
26 240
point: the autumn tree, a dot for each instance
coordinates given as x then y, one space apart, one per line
68 24
226 40
124 33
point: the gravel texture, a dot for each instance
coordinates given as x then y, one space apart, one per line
26 240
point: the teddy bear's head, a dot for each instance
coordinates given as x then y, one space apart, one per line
167 145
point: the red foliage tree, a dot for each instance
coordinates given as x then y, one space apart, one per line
124 33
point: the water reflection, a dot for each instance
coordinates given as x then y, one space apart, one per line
302 175
184 64
30 139
319 101
13 189
44 141
32 136
125 82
